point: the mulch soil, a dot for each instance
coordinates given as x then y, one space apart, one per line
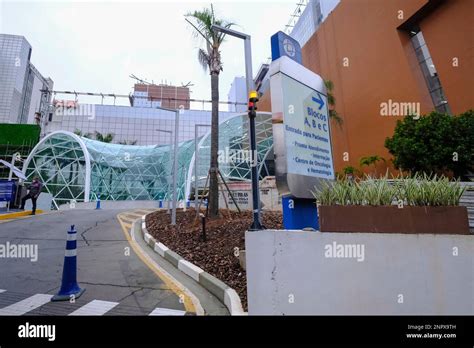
215 255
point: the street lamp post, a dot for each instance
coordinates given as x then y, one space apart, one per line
171 168
247 51
256 225
196 127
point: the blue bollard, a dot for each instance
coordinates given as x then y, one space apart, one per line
69 287
97 206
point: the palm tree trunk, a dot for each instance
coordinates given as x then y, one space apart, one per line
213 184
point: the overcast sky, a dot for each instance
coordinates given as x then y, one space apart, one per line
93 46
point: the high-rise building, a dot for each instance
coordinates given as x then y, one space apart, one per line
238 94
20 81
33 101
166 96
315 12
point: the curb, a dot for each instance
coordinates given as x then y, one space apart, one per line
222 291
16 214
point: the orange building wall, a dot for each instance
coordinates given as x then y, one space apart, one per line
382 66
449 33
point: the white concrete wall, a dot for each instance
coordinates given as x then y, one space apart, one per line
288 272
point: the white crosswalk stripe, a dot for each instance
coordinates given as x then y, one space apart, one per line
95 307
92 308
167 311
26 305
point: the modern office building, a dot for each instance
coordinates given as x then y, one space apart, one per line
390 52
238 94
166 96
77 169
20 81
139 125
315 12
262 79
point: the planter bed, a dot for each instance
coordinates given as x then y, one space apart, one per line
216 255
391 219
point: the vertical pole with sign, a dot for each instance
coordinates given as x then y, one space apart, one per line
301 134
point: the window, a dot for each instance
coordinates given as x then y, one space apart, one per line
429 71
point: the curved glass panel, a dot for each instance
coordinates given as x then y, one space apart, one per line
129 172
234 149
60 164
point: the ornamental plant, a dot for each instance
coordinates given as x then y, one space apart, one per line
418 190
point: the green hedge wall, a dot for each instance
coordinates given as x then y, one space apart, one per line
19 134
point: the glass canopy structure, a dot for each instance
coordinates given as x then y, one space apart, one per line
78 169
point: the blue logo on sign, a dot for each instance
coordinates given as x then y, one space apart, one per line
284 45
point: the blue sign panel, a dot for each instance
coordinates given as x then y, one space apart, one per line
284 45
7 190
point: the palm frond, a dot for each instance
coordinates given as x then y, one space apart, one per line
331 99
329 85
203 21
197 32
203 58
225 24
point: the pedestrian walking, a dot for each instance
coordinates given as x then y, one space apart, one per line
34 191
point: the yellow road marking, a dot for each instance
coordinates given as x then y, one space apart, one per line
16 214
188 303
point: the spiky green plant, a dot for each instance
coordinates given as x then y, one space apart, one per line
414 191
325 195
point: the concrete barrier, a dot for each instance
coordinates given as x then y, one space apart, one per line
299 272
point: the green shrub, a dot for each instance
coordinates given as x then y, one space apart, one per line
434 143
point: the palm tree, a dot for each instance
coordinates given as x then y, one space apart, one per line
210 58
107 138
332 102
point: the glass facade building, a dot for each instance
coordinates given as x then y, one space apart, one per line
77 169
145 125
20 81
315 12
15 53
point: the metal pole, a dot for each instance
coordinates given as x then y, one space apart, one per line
254 165
14 157
252 114
175 168
248 64
256 225
168 204
196 127
171 169
195 167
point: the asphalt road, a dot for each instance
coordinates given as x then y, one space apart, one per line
108 268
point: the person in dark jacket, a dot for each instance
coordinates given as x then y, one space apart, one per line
34 191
